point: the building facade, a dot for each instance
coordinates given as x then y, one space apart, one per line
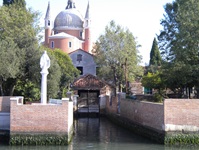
83 61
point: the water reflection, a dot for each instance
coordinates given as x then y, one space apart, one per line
101 134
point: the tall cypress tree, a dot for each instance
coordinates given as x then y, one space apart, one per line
155 58
8 2
19 2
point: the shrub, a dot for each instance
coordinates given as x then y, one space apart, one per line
157 97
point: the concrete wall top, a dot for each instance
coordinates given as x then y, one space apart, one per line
5 103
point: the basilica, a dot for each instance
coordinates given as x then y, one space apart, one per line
71 32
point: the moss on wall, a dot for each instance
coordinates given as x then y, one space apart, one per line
39 139
181 139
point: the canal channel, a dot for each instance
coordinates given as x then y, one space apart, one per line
101 134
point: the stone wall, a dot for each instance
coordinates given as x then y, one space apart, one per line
5 104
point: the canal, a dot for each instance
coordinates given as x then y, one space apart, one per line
101 134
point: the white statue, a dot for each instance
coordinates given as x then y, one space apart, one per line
44 62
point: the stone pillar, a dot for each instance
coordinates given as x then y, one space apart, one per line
69 105
44 88
69 94
44 64
75 102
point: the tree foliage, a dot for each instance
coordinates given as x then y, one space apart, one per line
8 2
68 71
17 33
179 43
153 81
22 3
20 53
155 58
117 55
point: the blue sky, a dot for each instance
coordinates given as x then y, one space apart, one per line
142 17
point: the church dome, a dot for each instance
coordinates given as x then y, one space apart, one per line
67 19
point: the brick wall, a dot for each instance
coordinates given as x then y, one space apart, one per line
40 118
173 115
5 104
181 114
144 113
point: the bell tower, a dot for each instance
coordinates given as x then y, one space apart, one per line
87 27
48 25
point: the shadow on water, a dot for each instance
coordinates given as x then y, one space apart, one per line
101 134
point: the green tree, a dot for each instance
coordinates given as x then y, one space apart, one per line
17 28
179 42
29 85
117 56
155 58
167 36
8 2
21 54
10 61
19 2
68 71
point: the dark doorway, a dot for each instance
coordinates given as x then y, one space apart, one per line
88 101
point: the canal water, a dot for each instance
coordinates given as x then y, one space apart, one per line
101 134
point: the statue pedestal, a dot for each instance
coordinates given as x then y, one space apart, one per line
44 88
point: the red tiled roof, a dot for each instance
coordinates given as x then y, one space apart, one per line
88 81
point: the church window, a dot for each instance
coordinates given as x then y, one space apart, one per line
48 22
70 44
86 23
81 70
52 44
79 57
80 34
